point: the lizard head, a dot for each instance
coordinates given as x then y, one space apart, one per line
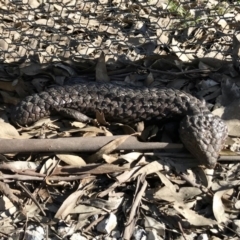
204 135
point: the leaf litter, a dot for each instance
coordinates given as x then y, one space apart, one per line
138 186
121 193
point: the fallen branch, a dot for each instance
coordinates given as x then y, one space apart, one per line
93 144
81 144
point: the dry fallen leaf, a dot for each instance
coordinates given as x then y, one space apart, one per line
7 130
8 98
185 57
192 217
148 169
108 224
101 70
218 206
151 223
130 157
68 205
108 148
71 159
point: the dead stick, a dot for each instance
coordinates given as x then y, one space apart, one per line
81 144
92 144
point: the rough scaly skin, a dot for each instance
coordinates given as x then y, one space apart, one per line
202 133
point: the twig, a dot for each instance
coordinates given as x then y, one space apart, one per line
94 223
20 184
181 229
17 177
130 224
7 191
171 73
